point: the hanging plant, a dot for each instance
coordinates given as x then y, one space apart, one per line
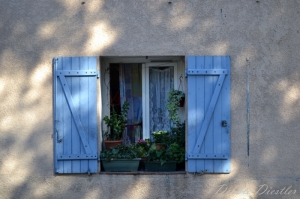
173 102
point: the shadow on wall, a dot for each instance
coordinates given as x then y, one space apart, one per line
32 33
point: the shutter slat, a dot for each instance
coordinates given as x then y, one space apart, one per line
58 124
91 121
217 119
193 112
67 121
84 105
76 92
208 130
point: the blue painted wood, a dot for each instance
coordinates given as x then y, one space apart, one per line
67 121
58 119
76 119
77 73
207 156
195 104
77 157
208 106
226 116
83 100
75 95
206 71
209 113
192 118
75 88
91 121
209 84
217 119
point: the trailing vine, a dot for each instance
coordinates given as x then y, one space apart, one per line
173 102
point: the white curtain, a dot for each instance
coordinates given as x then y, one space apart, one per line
161 82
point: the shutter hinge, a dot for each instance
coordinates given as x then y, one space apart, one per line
98 157
55 61
98 74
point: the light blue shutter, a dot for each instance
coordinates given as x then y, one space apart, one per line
75 115
208 114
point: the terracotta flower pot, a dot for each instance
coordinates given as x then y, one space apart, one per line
160 146
112 143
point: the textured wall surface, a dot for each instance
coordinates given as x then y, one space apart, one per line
266 31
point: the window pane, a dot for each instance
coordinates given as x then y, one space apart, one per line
160 83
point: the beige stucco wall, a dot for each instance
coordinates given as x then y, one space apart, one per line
265 31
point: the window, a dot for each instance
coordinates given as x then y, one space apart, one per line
76 96
145 83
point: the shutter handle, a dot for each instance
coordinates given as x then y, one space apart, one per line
57 136
224 123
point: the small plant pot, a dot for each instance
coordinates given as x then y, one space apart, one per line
112 143
181 102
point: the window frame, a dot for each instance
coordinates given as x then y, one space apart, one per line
146 61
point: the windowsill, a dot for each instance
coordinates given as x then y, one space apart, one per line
143 173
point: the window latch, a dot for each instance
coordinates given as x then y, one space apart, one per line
224 123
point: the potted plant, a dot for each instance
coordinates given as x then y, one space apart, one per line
120 158
177 146
176 152
170 157
161 138
159 160
177 97
116 125
178 127
142 148
178 133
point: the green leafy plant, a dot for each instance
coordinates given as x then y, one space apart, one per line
157 155
119 152
173 102
176 152
178 133
178 128
142 148
116 123
161 136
